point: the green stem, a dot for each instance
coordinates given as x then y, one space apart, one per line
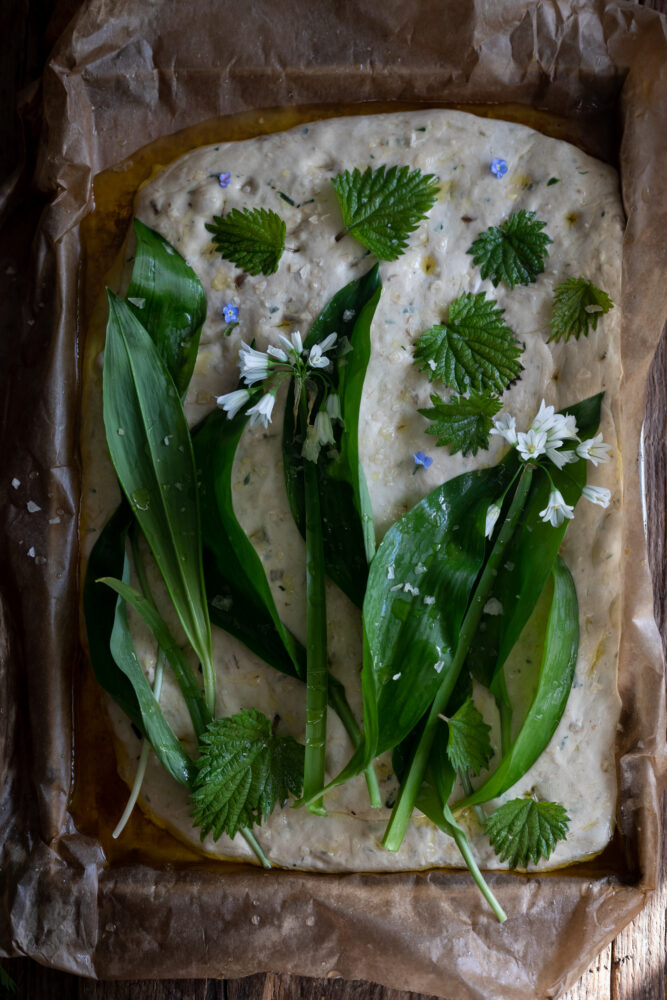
407 796
464 847
468 789
340 705
253 843
316 635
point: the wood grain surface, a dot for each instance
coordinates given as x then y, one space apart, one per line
632 967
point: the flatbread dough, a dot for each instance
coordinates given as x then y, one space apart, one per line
584 218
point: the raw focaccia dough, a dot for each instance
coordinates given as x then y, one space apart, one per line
583 216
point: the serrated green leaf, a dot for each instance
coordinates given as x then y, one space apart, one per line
462 424
382 207
473 350
523 830
514 252
577 306
468 744
244 770
253 239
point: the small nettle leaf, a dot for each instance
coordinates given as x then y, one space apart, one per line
382 207
253 239
244 770
514 252
468 743
524 830
577 306
473 350
463 424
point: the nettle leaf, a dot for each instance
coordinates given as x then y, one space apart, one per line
462 424
577 306
253 239
382 207
474 349
514 252
523 830
468 743
244 770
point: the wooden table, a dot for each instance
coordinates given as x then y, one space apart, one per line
631 968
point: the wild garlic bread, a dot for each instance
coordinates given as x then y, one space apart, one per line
419 435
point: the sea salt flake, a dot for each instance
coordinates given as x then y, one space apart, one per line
420 568
348 315
54 520
139 303
32 507
429 600
31 552
438 665
395 677
493 607
16 483
399 586
390 572
409 589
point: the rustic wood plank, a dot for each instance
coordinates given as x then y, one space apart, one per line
595 984
282 987
166 989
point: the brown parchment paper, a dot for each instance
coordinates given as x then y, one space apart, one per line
126 73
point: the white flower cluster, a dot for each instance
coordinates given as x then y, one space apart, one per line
546 437
257 366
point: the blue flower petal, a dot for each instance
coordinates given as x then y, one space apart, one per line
230 313
224 179
498 167
422 459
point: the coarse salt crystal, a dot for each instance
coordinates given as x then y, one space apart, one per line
438 665
429 600
31 552
493 607
32 507
390 572
16 483
409 589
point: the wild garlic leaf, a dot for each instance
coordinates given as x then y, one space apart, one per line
523 830
253 239
8 987
577 306
167 298
474 349
514 252
468 744
151 450
382 207
244 770
462 424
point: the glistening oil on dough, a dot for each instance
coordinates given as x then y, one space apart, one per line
291 173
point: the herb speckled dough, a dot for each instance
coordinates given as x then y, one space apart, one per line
584 219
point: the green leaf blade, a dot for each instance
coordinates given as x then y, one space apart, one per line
514 252
577 306
468 744
382 207
253 239
168 299
553 688
161 737
462 424
524 831
243 771
474 350
151 449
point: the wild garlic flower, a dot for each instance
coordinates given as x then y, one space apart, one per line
254 365
594 450
232 402
324 429
492 515
505 426
261 412
531 444
597 494
333 406
316 357
310 449
557 510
